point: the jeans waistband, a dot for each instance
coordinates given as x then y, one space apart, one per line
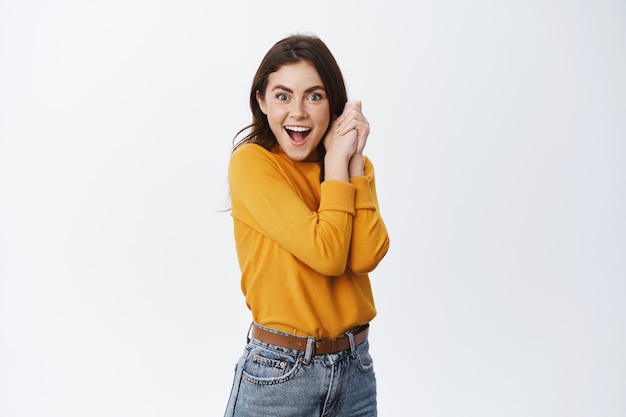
349 340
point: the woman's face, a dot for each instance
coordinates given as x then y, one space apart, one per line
297 109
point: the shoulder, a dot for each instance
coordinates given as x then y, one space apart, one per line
250 156
249 151
252 163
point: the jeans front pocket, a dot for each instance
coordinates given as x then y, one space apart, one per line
265 366
365 363
234 391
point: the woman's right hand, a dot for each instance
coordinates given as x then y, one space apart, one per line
353 119
340 148
340 145
344 143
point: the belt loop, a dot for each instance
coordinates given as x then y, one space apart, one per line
352 346
310 346
248 334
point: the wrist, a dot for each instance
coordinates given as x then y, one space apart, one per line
356 166
336 167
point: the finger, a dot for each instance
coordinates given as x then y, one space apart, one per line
353 103
349 108
350 120
361 127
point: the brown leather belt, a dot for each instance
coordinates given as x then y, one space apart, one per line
321 346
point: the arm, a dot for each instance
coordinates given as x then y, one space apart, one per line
263 198
370 240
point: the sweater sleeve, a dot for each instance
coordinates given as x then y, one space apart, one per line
370 240
263 198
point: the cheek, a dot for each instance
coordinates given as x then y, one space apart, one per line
275 120
322 116
326 122
275 113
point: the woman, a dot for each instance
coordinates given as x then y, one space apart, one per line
307 231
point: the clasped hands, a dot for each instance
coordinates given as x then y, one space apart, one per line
348 133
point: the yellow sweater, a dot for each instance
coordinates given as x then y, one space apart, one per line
304 248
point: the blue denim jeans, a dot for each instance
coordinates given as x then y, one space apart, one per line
272 381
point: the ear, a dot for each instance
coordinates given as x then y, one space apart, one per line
261 102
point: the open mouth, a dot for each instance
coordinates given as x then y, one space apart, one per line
298 134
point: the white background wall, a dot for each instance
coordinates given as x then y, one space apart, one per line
498 140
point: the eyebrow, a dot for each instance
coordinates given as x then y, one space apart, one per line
308 90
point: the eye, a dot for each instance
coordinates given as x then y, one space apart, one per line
281 96
315 97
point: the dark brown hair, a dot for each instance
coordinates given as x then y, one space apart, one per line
291 50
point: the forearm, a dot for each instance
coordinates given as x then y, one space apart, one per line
370 240
369 243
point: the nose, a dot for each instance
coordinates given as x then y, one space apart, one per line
298 110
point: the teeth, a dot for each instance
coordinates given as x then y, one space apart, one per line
298 128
